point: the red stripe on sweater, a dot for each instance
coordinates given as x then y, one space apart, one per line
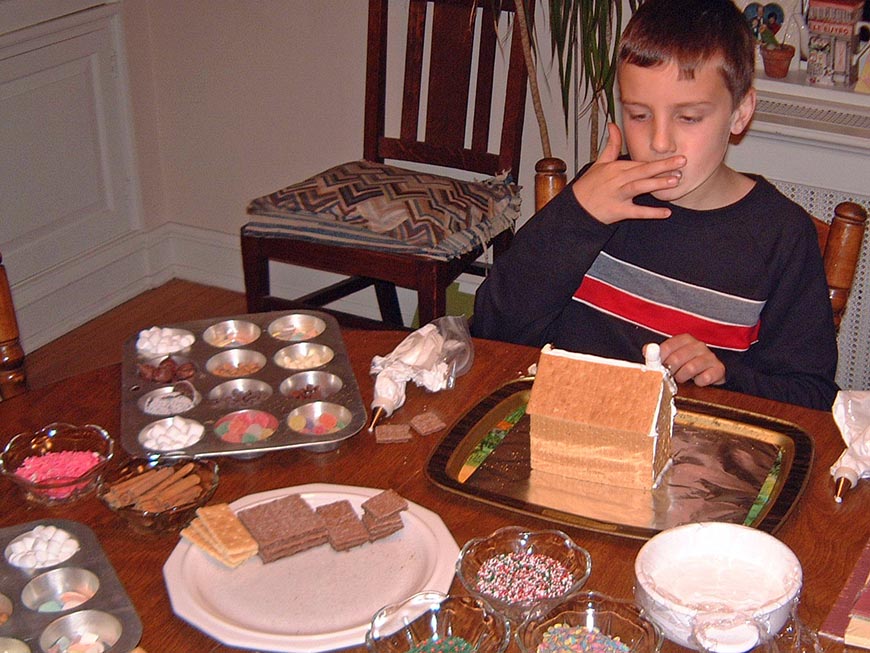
664 319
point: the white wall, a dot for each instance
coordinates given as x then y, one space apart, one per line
218 102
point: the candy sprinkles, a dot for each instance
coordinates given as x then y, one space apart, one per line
521 577
445 645
579 639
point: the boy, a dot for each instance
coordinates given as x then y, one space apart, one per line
670 245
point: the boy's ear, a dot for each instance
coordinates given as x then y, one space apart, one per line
743 113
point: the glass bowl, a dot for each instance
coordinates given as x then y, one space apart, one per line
515 570
434 622
52 465
595 621
170 512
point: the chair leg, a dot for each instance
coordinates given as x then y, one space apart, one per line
388 302
431 300
255 266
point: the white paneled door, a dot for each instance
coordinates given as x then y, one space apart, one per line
67 182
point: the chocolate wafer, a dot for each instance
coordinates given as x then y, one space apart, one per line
284 527
343 524
389 433
385 504
379 528
427 423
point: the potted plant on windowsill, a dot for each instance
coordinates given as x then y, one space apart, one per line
775 56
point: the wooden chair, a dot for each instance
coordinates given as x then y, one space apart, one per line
13 380
840 241
298 239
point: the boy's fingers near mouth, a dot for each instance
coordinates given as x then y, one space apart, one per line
666 167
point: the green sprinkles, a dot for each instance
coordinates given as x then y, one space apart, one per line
562 638
445 645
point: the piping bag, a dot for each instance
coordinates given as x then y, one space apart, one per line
432 357
851 411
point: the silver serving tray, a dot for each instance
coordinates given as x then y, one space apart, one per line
279 404
27 625
728 465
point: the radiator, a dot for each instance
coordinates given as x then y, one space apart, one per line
853 371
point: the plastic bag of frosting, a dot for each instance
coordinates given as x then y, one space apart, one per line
432 357
851 411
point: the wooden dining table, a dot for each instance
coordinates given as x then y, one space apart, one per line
826 537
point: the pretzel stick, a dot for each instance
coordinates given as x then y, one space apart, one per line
125 493
170 491
181 472
185 480
164 502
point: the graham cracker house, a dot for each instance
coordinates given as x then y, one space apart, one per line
601 420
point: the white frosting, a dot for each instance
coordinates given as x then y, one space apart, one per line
719 583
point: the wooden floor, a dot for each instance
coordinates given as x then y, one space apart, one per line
100 342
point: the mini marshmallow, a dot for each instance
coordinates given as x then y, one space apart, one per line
41 547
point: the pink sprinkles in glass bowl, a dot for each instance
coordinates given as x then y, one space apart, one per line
520 577
58 466
58 463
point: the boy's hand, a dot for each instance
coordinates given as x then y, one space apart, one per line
689 359
607 189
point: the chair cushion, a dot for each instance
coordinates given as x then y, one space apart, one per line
379 206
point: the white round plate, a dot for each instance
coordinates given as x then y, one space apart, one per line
316 600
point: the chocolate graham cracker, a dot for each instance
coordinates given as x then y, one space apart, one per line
385 504
427 423
343 525
379 528
381 514
387 433
284 527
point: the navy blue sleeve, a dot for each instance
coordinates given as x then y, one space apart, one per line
531 283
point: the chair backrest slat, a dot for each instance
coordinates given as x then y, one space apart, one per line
463 38
413 70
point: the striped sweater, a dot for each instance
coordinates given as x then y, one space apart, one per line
746 279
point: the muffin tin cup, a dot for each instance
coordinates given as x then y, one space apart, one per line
108 610
304 363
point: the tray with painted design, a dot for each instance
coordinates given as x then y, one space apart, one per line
728 465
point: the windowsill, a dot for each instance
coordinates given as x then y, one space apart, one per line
795 85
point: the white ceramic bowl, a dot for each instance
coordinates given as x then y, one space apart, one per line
717 587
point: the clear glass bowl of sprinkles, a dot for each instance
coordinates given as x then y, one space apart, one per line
516 571
434 622
59 463
589 621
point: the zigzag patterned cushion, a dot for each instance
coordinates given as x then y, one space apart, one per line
379 206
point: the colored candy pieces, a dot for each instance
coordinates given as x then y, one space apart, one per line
578 639
245 426
321 425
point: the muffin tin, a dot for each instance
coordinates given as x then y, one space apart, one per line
105 608
260 382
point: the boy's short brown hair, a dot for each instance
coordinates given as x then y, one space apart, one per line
690 33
